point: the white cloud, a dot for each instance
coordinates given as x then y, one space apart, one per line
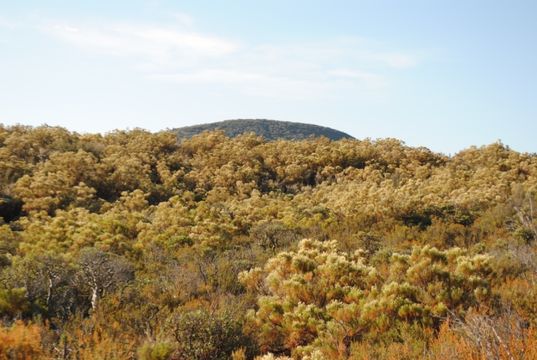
178 53
211 76
371 79
396 60
7 23
183 19
151 43
250 83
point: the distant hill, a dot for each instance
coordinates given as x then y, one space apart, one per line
269 129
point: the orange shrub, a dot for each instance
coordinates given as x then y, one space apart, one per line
21 341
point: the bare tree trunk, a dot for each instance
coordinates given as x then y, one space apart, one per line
49 291
94 298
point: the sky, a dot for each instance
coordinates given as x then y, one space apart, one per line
434 73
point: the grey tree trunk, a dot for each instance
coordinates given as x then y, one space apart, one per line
94 298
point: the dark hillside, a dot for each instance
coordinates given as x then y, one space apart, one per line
269 129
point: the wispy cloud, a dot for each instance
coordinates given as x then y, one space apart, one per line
371 79
7 23
180 54
250 83
395 60
150 43
211 76
183 19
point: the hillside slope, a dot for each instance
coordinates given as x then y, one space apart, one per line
269 129
133 245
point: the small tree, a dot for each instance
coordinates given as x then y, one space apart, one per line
102 272
48 281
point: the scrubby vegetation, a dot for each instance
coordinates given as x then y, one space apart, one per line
133 245
269 129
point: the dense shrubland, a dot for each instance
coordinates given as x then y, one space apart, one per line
133 245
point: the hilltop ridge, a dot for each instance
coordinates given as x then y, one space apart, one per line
269 129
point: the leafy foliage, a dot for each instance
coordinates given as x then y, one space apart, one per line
135 245
319 300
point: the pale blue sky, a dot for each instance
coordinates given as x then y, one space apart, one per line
441 74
